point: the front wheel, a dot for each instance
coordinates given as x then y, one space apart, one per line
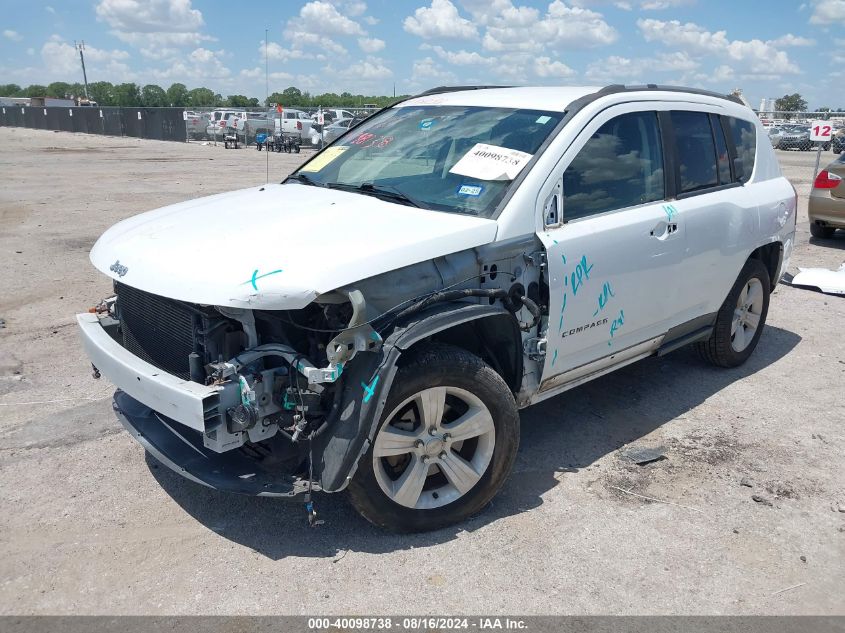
740 320
444 446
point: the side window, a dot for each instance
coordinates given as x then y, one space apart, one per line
745 139
620 166
695 149
723 160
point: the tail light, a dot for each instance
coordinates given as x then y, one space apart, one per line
299 125
827 180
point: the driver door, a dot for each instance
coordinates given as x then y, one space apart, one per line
613 247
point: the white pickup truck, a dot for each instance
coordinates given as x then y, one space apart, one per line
375 322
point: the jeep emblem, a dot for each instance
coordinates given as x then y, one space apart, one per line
119 268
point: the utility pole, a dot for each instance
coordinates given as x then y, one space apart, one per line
81 47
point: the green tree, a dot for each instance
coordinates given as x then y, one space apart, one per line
292 97
35 90
237 101
102 92
127 95
9 90
790 103
276 97
177 95
59 89
153 96
199 97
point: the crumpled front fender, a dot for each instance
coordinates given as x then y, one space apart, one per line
366 384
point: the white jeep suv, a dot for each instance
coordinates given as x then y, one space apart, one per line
375 322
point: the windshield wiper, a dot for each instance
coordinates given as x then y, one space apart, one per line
387 192
305 179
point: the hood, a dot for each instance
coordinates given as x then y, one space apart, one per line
276 246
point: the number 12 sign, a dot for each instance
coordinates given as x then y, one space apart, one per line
820 131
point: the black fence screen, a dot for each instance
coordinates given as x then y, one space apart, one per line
163 124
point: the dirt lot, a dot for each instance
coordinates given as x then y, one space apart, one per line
89 525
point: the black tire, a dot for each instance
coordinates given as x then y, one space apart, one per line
821 232
434 365
718 349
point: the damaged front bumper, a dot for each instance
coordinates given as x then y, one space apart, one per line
182 451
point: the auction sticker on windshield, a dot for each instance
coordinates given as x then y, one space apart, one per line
491 162
329 154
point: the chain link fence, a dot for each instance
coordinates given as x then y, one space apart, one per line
790 135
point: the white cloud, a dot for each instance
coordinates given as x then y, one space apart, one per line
150 16
545 67
370 44
30 51
792 40
153 24
617 68
522 29
322 18
160 40
828 11
50 10
660 5
440 20
370 69
256 73
750 57
461 57
427 69
9 34
62 59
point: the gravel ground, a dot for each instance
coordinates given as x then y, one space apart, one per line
90 525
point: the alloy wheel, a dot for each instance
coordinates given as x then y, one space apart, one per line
434 447
746 319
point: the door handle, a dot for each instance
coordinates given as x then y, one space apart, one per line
664 230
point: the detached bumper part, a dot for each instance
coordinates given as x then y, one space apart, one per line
181 449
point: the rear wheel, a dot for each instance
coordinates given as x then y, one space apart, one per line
740 320
820 231
444 446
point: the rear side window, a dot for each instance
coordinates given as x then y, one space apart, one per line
696 150
620 166
745 139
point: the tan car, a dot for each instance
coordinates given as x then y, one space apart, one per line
827 200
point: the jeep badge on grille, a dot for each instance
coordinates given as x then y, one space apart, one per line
119 268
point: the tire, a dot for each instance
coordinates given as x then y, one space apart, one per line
821 232
461 384
725 348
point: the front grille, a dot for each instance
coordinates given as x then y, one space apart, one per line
159 330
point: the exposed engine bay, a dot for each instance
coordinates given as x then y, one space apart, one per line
292 394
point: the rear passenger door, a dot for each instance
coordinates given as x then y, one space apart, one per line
613 245
713 159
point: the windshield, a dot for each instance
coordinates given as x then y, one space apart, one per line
458 159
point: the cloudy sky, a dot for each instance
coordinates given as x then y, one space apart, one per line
766 48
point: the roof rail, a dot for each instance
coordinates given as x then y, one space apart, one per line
616 88
441 89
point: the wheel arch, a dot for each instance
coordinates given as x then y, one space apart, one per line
771 255
367 379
